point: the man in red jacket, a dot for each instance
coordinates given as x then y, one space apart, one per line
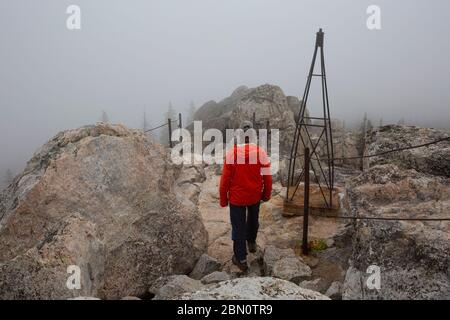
245 181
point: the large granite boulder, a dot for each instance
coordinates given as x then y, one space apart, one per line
99 197
413 256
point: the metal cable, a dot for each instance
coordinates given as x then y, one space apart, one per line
379 218
394 150
160 126
381 153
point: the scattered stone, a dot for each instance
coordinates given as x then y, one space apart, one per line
335 291
284 264
272 254
172 287
319 285
255 288
291 269
205 265
215 277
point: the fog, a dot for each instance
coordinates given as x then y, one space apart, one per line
131 55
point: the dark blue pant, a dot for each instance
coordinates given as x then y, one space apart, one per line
244 227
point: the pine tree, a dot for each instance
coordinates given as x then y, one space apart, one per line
8 178
363 127
190 113
171 113
104 117
145 124
369 126
361 145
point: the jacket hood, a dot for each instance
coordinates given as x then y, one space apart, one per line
243 153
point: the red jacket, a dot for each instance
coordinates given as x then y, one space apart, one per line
246 177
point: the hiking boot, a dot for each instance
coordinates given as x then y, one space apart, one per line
252 247
242 265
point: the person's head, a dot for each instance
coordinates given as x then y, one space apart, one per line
245 126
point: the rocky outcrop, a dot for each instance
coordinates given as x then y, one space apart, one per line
268 102
413 256
270 106
100 197
433 159
255 288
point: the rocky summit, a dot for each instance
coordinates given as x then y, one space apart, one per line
101 212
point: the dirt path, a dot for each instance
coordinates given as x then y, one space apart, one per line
275 229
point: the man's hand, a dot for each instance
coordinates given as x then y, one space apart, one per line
224 203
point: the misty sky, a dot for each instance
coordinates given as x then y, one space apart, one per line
135 54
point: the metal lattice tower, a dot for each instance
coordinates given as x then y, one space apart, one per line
323 178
